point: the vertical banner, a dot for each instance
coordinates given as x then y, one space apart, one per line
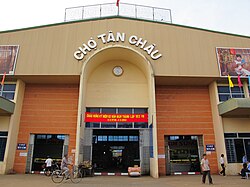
234 61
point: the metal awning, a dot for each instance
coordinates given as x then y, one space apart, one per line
6 107
235 107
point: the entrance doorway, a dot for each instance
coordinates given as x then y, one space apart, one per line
182 153
47 145
115 150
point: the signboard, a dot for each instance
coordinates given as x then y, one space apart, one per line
233 61
8 56
100 117
23 154
113 38
21 146
210 147
161 156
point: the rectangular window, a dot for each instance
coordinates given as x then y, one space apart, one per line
108 125
174 137
247 148
8 91
117 138
3 140
140 110
92 125
230 135
244 135
93 110
102 138
237 147
141 125
133 138
125 125
108 110
124 110
224 93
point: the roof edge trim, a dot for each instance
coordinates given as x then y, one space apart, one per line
122 17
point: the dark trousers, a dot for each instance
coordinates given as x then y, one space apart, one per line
48 168
207 173
223 169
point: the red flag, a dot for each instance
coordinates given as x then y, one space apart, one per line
2 83
117 2
239 82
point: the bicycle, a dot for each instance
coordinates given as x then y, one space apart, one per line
75 175
48 171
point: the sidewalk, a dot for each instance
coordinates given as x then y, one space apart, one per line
35 180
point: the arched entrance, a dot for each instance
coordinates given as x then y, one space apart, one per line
118 80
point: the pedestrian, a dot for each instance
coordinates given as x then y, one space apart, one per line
243 171
48 163
248 166
222 163
244 159
205 167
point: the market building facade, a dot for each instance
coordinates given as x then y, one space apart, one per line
122 92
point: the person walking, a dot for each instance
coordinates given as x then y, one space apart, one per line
222 163
205 167
48 163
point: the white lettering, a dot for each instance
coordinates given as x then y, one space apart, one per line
120 36
102 37
92 43
132 40
153 55
78 55
111 37
149 49
83 50
139 42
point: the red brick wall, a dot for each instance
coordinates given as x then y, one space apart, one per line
47 109
184 111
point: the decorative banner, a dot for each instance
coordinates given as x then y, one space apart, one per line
8 56
99 117
234 61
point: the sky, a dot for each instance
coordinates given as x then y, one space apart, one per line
231 16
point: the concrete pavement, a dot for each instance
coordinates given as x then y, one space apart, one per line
36 180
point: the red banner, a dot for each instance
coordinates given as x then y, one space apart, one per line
98 117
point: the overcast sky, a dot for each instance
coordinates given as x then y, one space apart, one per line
230 16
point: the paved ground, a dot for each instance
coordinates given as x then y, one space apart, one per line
34 180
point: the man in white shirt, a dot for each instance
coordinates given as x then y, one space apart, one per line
205 167
222 163
48 163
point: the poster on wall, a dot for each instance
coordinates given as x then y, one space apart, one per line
233 61
8 56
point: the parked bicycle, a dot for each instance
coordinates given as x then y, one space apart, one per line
75 175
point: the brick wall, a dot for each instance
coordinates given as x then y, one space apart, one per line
184 111
47 109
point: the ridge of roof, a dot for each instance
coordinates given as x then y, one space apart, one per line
122 17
